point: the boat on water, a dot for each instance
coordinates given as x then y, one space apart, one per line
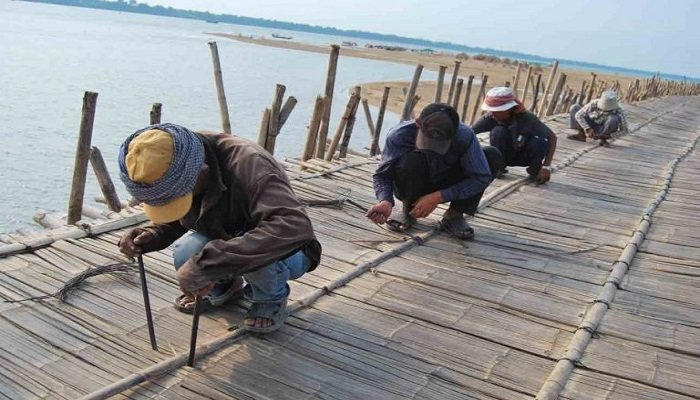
278 36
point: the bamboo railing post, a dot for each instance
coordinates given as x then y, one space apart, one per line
354 98
516 80
374 150
467 96
440 83
535 92
582 93
528 78
274 122
479 96
330 84
414 103
370 122
350 125
589 97
408 102
547 87
264 126
458 93
453 82
555 95
312 133
219 80
286 111
82 156
156 113
104 180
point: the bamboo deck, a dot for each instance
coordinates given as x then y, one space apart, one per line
439 319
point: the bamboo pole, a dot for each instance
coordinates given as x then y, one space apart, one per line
453 82
528 78
47 220
458 93
406 114
264 126
467 96
516 80
350 125
312 133
352 102
104 180
195 330
589 97
440 83
479 96
155 113
370 122
147 304
286 111
219 81
555 95
535 92
547 87
330 84
274 123
374 150
82 155
414 103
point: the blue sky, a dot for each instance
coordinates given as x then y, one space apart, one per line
642 34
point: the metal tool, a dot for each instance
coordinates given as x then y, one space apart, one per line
147 304
195 328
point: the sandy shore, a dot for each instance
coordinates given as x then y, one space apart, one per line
498 73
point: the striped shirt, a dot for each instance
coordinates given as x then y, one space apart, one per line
464 151
599 116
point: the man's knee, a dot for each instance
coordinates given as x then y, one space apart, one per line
187 246
411 163
612 124
495 159
500 137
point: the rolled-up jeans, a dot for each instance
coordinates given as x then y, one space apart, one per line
268 283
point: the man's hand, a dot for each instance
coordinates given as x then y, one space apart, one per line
191 280
426 204
590 132
379 212
544 175
132 242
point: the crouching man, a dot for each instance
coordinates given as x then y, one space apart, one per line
229 209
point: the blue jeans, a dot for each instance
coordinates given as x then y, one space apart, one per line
605 130
268 283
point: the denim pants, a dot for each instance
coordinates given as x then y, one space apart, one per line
530 155
268 283
600 131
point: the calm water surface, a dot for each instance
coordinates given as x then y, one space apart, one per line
50 55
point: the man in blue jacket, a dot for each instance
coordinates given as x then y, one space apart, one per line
434 159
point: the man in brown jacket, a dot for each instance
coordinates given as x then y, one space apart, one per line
243 217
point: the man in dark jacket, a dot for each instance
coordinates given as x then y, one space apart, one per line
236 200
519 135
434 159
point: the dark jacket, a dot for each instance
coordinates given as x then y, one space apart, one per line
248 210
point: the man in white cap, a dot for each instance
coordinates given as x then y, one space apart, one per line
517 133
434 159
229 209
598 119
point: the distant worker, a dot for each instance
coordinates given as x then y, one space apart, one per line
229 209
431 160
599 119
517 133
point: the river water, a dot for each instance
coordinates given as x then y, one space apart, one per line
50 55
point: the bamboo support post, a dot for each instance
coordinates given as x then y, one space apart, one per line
354 98
479 96
312 133
350 125
330 84
273 126
286 111
516 80
453 82
555 95
82 156
439 84
414 103
589 97
47 220
528 78
155 113
104 180
535 92
467 96
219 81
370 122
582 92
374 150
264 124
547 88
406 114
458 93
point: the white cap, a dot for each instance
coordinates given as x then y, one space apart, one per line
499 99
608 101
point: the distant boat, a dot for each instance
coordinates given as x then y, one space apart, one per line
349 44
278 36
211 21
